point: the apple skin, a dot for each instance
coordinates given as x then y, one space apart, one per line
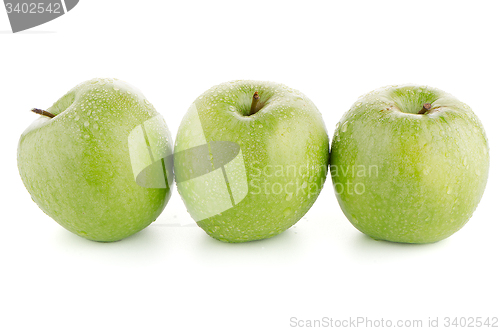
287 132
77 166
432 168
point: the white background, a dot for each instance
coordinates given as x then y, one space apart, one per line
172 276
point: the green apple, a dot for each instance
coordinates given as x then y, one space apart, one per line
95 160
409 164
250 159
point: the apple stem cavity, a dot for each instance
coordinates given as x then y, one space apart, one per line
255 99
43 112
426 107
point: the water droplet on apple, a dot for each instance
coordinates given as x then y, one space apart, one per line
287 212
344 126
289 196
449 190
77 118
86 124
96 126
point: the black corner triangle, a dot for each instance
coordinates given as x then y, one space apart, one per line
70 4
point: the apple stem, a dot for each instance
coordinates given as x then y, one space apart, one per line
427 106
255 99
43 112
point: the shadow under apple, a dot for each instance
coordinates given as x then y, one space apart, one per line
282 248
145 245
